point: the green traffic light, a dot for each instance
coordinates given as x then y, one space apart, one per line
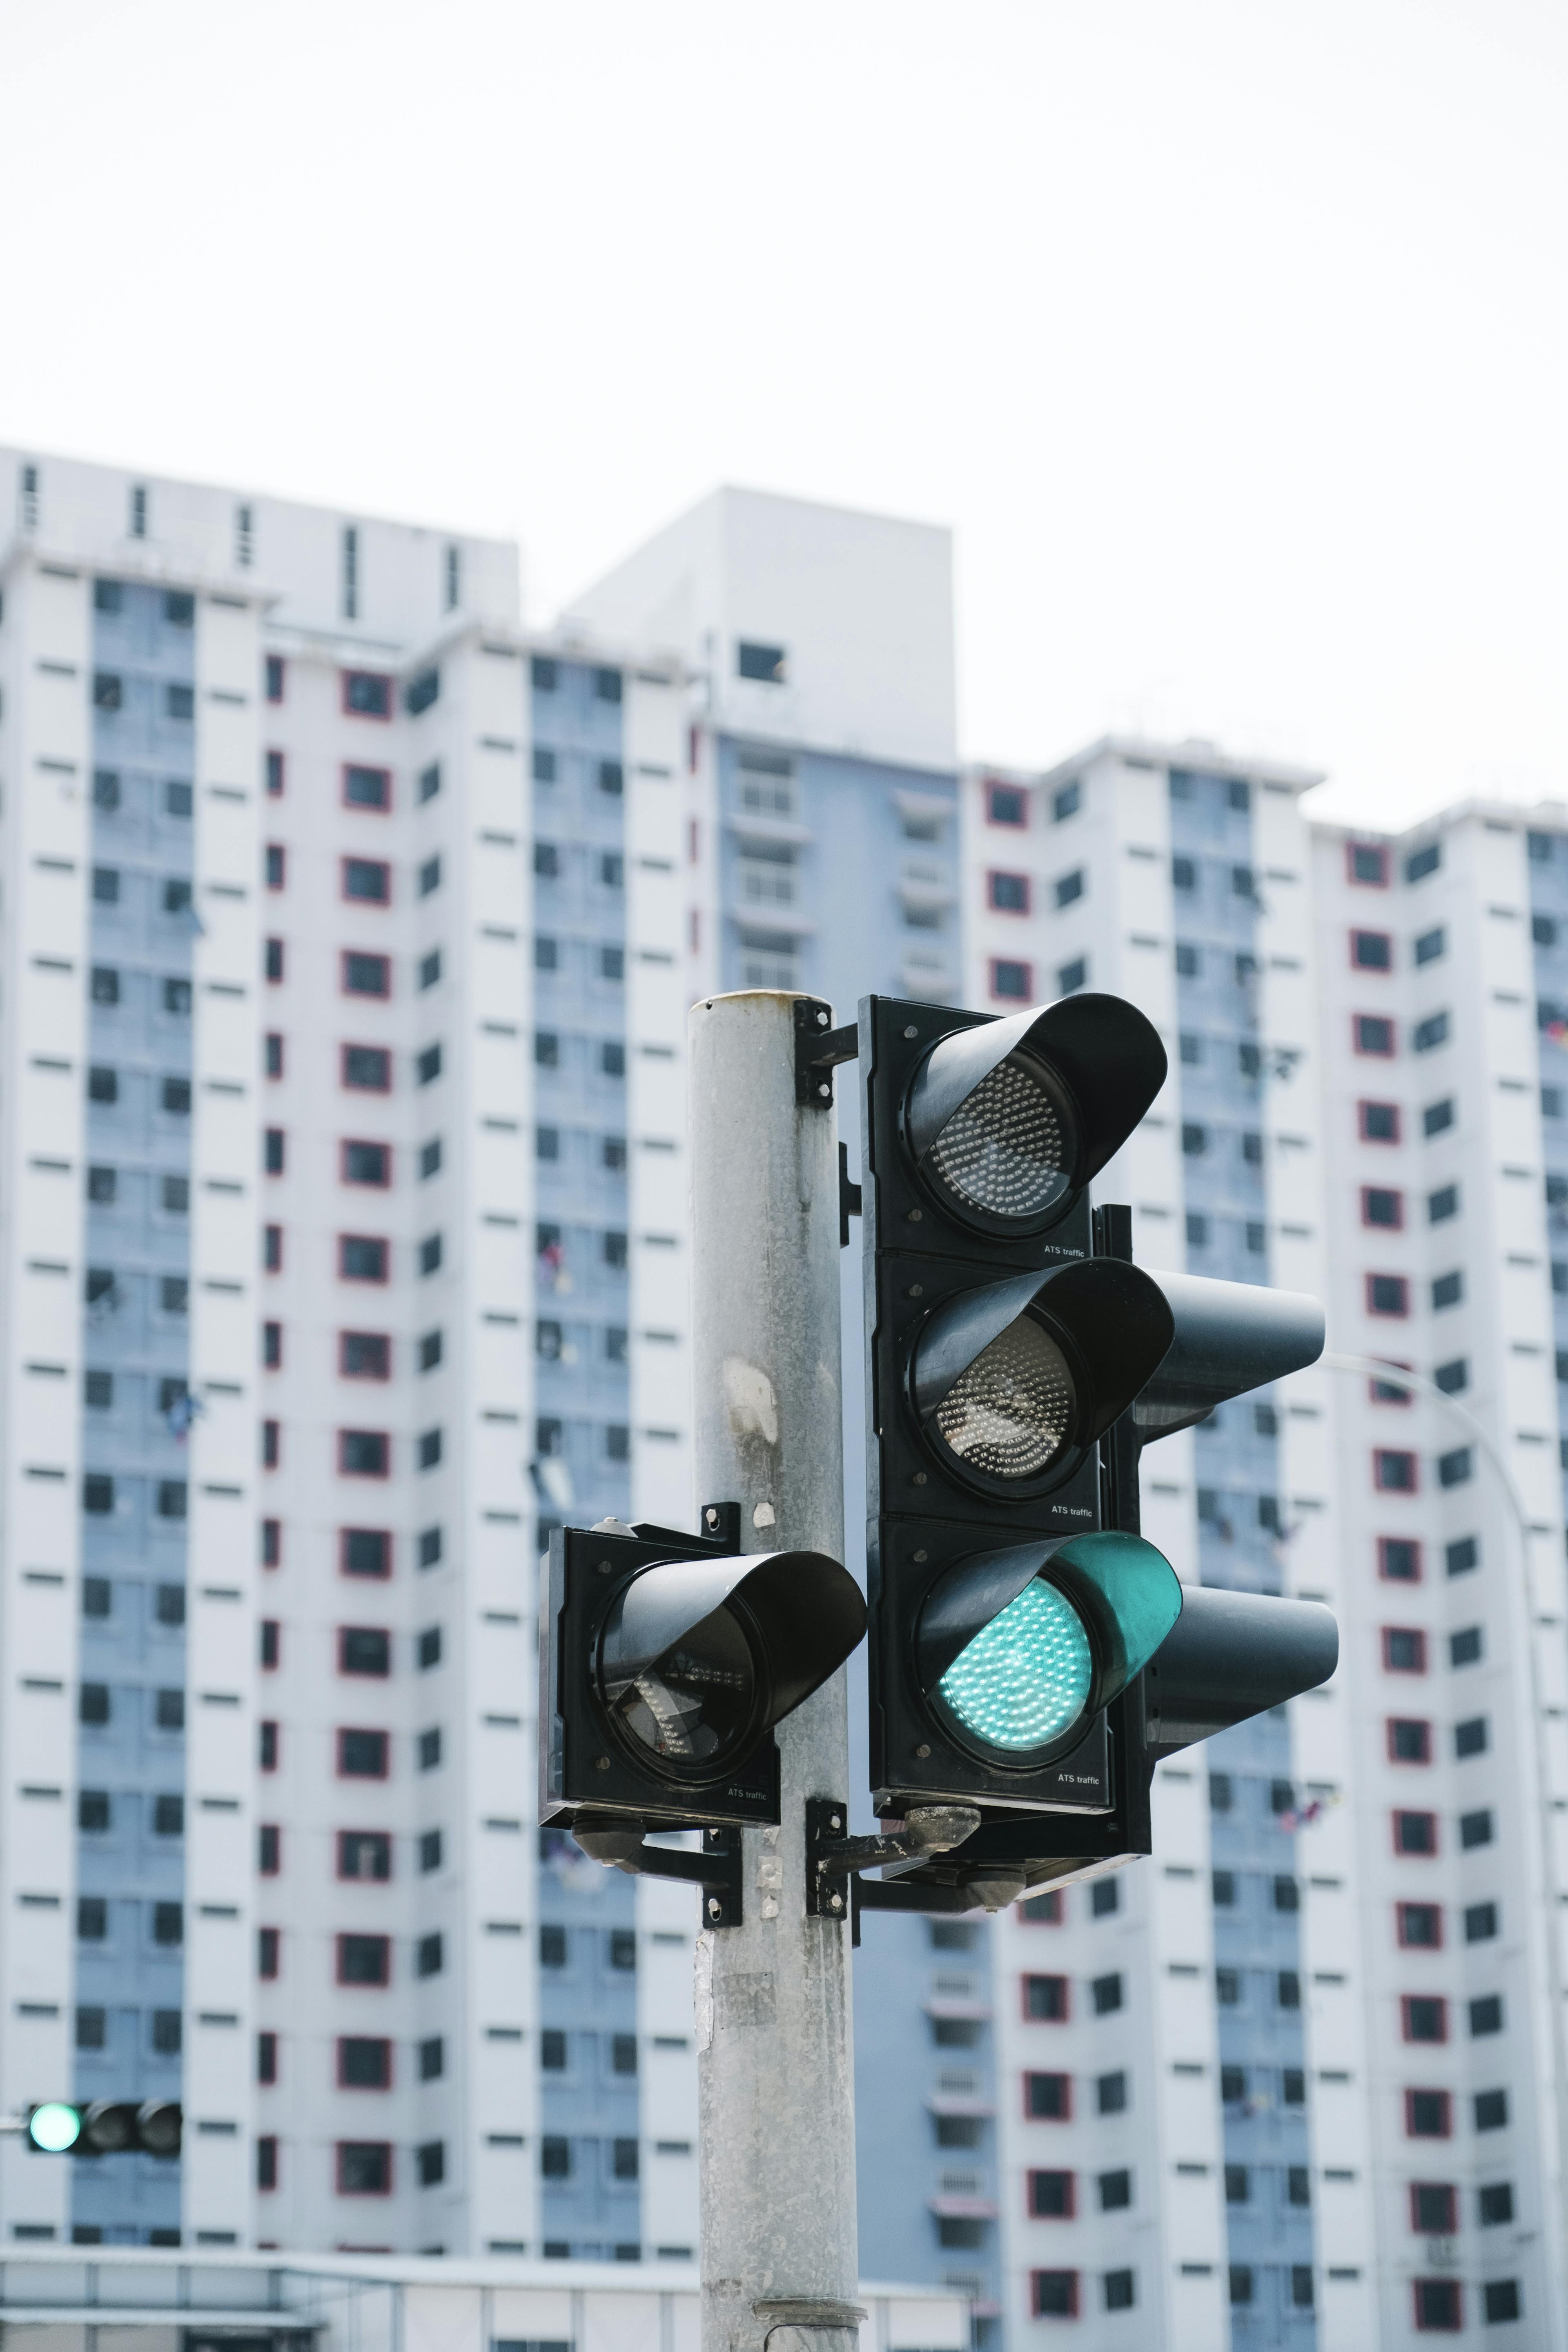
54 2127
1025 1678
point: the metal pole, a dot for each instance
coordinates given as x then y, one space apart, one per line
774 2073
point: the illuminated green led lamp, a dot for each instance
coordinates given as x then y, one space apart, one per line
1019 1649
55 2128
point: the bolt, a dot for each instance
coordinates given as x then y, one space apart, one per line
601 1763
834 1822
822 1020
712 1518
836 1902
914 1216
917 1290
825 1091
714 1906
918 1479
922 1752
603 1568
922 1555
911 1031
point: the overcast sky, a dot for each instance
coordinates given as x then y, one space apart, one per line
1229 336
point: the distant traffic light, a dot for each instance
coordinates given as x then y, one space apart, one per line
1018 1362
106 2127
665 1662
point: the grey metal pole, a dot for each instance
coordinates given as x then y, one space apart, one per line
774 2072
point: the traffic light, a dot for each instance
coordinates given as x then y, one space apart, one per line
1018 1362
106 2127
664 1662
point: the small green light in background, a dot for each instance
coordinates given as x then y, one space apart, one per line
1025 1679
54 2127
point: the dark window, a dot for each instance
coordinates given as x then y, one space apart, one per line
1045 1997
1009 893
363 1755
427 1064
1052 2195
1424 861
365 1649
555 2156
1409 1740
361 1258
267 1953
427 1955
1475 1830
1371 950
1403 1650
169 1924
365 1959
1501 2300
367 694
1424 2018
1494 2204
1428 2115
1486 2014
1054 2295
1491 2110
367 880
1373 1033
365 1552
1106 1994
274 677
1387 1294
1047 2098
431 2159
1456 1468
1069 886
1005 804
766 663
1433 1031
1380 1207
1393 1473
1416 1833
364 2063
1449 1290
364 2168
1399 1559
366 1164
1437 1116
364 1854
368 1068
366 975
1438 2305
1379 1122
1460 1558
363 1453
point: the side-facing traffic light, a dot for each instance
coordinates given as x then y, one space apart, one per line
665 1663
106 2127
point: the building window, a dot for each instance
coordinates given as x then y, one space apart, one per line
1378 1122
363 1755
1416 1833
1418 1926
1403 1650
1438 1117
1422 2016
366 881
1054 2295
365 1163
362 1257
364 1453
1428 2115
1372 952
364 1356
1382 1207
1372 1033
1387 1294
366 788
1068 887
1046 1998
767 665
1053 2195
1424 861
1013 982
364 1854
1106 1994
367 694
1393 1472
1439 2307
1047 2098
364 2168
1006 804
1366 863
276 866
275 676
1008 893
1399 1559
1428 1033
364 1551
1409 1740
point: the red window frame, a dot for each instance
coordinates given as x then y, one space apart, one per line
363 1086
385 1246
1441 2289
1444 2189
1387 1634
277 769
270 1648
1040 2172
1424 2092
343 1372
363 1183
1386 1486
1412 1853
1402 1936
1046 2074
354 1673
1408 1722
344 2083
359 1575
352 897
1359 882
382 1436
269 1850
274 962
1386 1141
267 2161
361 1731
1372 1306
269 1747
271 1444
356 1877
1052 1913
1379 1224
276 674
1063 2016
269 1954
1074 2302
1383 1542
1425 2041
277 866
1379 1053
340 2151
365 768
380 717
1019 824
998 875
1025 995
272 1249
271 1543
373 955
1356 937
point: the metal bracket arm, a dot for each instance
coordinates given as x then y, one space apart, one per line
927 1830
717 1869
818 1050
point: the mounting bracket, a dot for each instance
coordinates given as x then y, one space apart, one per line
818 1050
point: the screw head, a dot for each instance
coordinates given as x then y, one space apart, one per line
825 1091
918 1479
917 1290
922 1555
922 1750
834 1823
714 1906
603 1568
711 1516
601 1763
915 1216
822 1020
836 1902
911 1031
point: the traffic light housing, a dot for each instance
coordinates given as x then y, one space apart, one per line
664 1662
105 2127
1029 1653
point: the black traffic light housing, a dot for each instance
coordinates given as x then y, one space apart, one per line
664 1662
105 2127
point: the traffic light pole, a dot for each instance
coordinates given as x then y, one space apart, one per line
776 2087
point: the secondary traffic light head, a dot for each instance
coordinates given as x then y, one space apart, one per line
1232 1655
665 1663
106 2127
1007 1120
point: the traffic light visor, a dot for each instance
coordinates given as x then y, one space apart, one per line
1227 1338
1019 1648
55 2128
697 1659
158 2126
1009 1119
1013 1381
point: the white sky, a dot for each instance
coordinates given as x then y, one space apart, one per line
1229 336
